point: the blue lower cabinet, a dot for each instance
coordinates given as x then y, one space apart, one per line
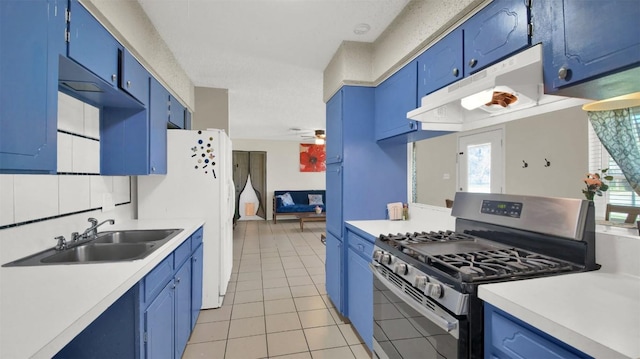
196 285
154 319
360 287
333 271
508 337
182 308
159 325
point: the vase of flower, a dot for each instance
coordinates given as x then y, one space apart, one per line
595 184
318 209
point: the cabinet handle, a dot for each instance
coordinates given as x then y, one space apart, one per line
153 169
339 157
128 84
113 77
455 72
178 280
473 63
563 72
412 125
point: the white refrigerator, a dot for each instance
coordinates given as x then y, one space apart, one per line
198 184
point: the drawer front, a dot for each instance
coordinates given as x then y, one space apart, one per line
361 246
182 253
158 278
196 239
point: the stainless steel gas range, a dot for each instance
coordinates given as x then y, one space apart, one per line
425 284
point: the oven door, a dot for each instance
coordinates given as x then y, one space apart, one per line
408 325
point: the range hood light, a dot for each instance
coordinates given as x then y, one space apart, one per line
476 100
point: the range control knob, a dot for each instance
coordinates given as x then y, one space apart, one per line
401 269
386 259
420 281
377 255
433 290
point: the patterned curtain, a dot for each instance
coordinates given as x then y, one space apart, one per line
619 133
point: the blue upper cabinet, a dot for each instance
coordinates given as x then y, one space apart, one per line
158 118
31 38
494 33
590 39
334 129
134 79
176 113
92 46
393 99
441 64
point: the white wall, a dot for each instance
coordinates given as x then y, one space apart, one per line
36 208
283 167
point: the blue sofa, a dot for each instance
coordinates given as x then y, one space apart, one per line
301 203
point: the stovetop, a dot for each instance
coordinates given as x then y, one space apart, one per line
469 259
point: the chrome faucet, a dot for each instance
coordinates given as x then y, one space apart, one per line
92 231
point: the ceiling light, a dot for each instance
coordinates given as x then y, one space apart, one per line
361 29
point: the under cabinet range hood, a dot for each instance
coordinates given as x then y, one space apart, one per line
509 90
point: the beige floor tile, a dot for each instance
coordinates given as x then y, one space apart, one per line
275 283
324 337
287 253
292 265
286 343
269 274
249 276
333 353
316 318
254 347
271 266
296 272
315 270
304 291
360 351
208 332
337 317
294 281
215 315
248 296
282 322
247 310
315 262
304 355
322 289
349 334
279 306
275 259
276 293
309 303
248 268
228 299
231 287
271 253
249 285
246 327
208 350
318 278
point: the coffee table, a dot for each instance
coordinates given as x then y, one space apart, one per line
311 217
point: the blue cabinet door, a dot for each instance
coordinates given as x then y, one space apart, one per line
441 64
360 294
134 78
196 285
158 118
182 307
509 337
92 46
176 112
333 270
393 99
334 129
495 32
591 38
159 325
31 38
334 199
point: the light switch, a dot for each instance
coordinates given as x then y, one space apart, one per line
446 176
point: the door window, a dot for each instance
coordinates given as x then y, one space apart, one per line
480 162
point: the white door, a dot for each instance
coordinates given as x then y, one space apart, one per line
480 162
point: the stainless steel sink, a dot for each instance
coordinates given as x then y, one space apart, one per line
112 246
136 236
96 252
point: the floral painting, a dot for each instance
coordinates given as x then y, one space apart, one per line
312 158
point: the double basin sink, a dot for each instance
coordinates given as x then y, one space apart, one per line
109 246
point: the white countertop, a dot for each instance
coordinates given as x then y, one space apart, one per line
43 308
596 312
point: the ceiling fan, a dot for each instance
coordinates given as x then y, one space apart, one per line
318 136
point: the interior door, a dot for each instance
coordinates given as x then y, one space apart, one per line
481 162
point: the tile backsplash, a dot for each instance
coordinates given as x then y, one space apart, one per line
45 205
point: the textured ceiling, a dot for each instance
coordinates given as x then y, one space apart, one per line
269 54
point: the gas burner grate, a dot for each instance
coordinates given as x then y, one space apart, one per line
422 237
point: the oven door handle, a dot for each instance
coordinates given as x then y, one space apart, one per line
443 323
